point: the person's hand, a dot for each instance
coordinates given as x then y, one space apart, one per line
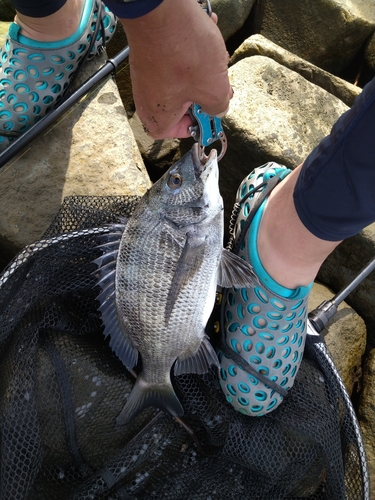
177 57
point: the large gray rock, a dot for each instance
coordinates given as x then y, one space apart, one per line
345 335
328 33
259 45
366 414
91 151
275 115
232 14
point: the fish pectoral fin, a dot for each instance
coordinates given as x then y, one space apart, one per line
144 395
199 362
234 271
188 264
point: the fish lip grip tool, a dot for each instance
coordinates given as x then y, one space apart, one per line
206 129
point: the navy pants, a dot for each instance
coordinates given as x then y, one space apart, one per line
42 8
335 193
37 8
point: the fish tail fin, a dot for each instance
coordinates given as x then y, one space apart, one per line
145 395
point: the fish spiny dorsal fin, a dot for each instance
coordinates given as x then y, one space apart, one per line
106 273
199 362
144 395
234 271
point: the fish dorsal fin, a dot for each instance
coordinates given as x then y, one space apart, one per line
234 271
199 362
188 264
106 273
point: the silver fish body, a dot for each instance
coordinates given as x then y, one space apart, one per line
159 274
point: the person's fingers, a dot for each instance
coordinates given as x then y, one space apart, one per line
180 130
214 17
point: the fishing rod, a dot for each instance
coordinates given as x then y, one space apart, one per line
109 67
320 316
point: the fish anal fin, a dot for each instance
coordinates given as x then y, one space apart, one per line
199 362
145 395
234 271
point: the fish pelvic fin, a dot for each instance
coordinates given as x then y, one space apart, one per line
234 271
199 362
145 395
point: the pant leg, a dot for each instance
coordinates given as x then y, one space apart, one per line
131 9
37 8
335 192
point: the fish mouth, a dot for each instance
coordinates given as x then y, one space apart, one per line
200 160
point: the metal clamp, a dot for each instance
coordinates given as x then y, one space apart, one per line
206 129
206 6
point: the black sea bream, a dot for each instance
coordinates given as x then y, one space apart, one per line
158 276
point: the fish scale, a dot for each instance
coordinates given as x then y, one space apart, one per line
170 259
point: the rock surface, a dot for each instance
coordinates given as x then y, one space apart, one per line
91 151
7 11
343 265
275 115
4 26
370 53
345 335
232 14
259 45
328 33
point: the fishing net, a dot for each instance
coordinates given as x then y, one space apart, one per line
61 389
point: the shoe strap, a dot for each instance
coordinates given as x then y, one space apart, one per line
267 187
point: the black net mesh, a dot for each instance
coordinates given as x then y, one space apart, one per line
61 389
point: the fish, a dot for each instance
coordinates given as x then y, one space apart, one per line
158 275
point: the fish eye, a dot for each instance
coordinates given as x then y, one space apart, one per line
174 181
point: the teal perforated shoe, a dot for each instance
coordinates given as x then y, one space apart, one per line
264 326
34 76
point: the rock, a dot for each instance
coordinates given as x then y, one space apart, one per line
162 152
343 265
259 45
7 11
91 151
370 53
4 27
122 77
366 415
327 33
232 14
345 335
274 115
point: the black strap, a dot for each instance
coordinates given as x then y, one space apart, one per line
67 402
